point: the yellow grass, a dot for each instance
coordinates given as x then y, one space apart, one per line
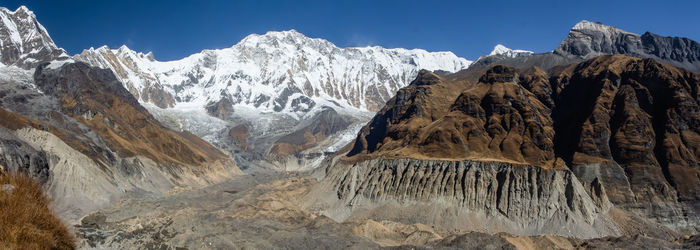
26 221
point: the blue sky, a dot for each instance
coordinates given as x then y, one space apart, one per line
174 29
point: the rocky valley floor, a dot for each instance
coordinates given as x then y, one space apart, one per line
266 211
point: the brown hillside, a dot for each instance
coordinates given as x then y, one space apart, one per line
496 120
95 98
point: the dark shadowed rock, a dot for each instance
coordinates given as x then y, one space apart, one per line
18 156
641 115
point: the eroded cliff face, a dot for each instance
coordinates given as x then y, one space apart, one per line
467 195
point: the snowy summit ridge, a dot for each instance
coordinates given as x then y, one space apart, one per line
24 42
272 71
499 49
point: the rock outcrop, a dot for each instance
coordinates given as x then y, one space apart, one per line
591 39
621 128
637 118
16 154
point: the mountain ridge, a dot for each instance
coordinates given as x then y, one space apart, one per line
590 39
290 43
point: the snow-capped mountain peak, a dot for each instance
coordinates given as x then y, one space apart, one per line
272 71
24 42
585 25
590 39
277 85
499 49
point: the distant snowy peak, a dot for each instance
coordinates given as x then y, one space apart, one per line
588 26
504 51
279 71
276 38
24 42
293 41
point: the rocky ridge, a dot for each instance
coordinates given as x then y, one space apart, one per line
634 117
591 39
24 42
271 71
618 126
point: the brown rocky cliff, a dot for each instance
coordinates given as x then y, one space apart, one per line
642 114
497 120
97 99
425 100
637 113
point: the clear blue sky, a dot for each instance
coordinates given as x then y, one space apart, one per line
173 29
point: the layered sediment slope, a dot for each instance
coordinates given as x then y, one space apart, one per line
469 196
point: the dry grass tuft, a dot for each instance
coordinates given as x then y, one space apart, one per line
26 221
